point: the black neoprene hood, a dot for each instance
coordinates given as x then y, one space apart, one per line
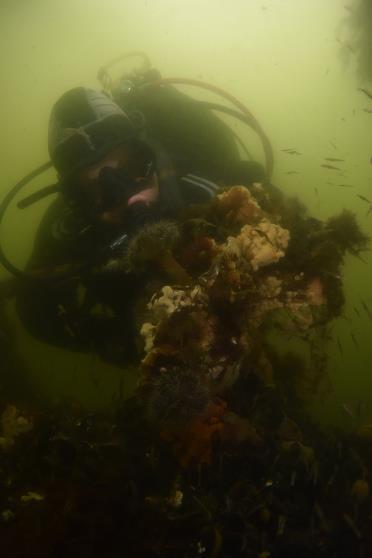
84 125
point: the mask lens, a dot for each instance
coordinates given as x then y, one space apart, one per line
114 184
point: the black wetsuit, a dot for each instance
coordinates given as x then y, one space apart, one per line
93 311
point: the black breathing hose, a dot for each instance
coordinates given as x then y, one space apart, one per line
137 217
34 197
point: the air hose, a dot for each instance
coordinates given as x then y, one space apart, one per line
46 191
243 112
249 118
3 208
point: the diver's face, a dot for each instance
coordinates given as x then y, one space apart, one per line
96 191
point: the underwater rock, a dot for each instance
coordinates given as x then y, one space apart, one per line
238 430
13 424
197 256
176 395
345 232
237 206
262 244
193 445
191 343
172 299
166 303
315 292
249 272
148 333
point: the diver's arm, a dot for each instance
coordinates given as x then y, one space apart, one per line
42 311
51 316
40 303
50 309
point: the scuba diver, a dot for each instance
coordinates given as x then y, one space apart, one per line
135 153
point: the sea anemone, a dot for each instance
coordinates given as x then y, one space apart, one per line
176 395
152 248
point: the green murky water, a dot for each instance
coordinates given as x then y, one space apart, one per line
294 64
303 68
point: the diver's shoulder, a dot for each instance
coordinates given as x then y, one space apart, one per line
57 236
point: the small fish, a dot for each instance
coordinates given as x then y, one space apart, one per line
293 478
345 185
366 92
333 145
292 172
345 44
121 388
317 196
366 309
369 210
349 9
331 183
314 473
334 275
289 149
335 159
356 311
292 152
322 519
354 112
348 410
282 521
356 254
363 198
351 523
360 408
340 346
330 167
354 339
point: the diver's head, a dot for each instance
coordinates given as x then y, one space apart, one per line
103 167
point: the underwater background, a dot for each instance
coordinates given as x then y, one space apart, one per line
298 66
